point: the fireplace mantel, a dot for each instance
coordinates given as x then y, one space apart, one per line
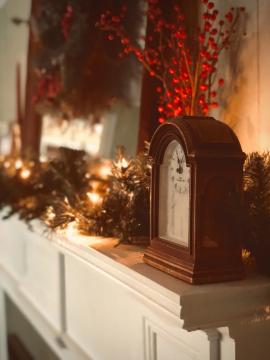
90 299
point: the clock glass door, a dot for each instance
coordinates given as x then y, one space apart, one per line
174 196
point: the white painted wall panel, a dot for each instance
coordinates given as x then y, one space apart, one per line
42 280
12 246
109 321
245 99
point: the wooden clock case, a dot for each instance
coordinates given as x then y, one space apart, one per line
215 158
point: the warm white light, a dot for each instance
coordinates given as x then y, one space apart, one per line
72 234
94 186
25 173
6 164
98 128
50 213
95 198
122 163
42 158
76 134
18 164
105 171
71 230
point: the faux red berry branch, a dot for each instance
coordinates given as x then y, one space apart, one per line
50 85
186 68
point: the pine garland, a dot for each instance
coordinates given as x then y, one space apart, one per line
125 210
257 208
57 192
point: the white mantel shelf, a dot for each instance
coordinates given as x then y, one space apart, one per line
102 302
247 299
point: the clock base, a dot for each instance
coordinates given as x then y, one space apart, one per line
190 274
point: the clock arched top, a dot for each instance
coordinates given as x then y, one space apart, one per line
199 137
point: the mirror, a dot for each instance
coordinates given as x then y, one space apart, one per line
87 92
87 97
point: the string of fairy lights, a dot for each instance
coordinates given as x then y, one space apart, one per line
101 198
76 195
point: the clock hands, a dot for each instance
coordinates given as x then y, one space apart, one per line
179 170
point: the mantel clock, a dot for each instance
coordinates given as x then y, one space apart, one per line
196 186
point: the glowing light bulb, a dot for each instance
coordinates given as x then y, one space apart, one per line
105 171
6 164
94 198
122 163
71 230
18 164
50 213
42 158
25 174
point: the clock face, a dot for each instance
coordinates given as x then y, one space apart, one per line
174 196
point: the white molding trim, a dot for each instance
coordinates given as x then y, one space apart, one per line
214 338
151 333
63 347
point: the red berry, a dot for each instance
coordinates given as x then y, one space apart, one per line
229 16
203 87
205 109
207 26
125 41
178 111
221 82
